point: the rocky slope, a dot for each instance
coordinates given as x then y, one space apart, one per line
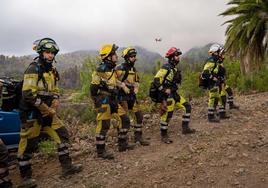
233 153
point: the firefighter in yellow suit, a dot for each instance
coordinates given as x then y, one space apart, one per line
104 89
40 100
167 80
211 73
127 73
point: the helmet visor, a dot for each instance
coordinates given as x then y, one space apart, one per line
177 53
132 53
51 47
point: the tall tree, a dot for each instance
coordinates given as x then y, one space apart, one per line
247 32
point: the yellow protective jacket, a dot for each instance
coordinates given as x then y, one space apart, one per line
128 74
104 82
211 68
168 77
39 83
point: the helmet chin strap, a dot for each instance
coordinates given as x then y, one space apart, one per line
216 57
110 62
130 63
173 61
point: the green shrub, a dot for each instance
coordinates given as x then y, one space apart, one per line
189 86
145 81
47 148
148 106
233 72
258 81
88 115
85 112
86 76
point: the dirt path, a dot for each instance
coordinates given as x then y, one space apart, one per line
233 153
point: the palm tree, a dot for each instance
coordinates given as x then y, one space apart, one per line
247 32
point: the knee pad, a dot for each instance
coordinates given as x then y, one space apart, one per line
188 107
216 101
125 121
102 127
139 117
63 134
106 124
229 91
169 116
223 100
32 145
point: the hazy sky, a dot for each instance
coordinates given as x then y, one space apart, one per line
87 24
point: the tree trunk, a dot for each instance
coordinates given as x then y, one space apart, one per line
245 64
242 66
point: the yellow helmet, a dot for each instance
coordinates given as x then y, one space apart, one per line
107 50
128 52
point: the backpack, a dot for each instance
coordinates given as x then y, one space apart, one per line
11 94
155 94
204 83
12 91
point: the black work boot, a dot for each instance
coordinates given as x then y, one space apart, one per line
26 172
123 145
67 167
165 138
28 183
5 183
139 139
223 115
213 119
233 106
212 116
72 169
187 130
105 155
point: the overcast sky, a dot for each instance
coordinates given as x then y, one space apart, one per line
87 24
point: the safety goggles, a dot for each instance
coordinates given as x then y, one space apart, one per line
51 46
177 53
132 53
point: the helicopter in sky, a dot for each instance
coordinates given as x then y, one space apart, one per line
158 39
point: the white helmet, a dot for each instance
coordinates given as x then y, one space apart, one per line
214 48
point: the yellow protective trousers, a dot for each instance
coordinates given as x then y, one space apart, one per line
167 108
32 129
135 112
31 133
222 98
105 113
213 101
